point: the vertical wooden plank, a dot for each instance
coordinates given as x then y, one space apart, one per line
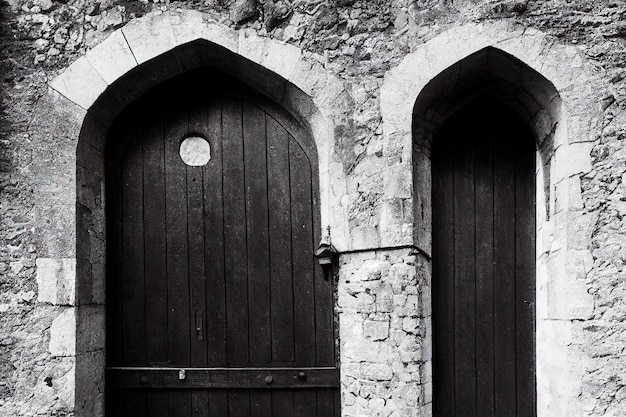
280 243
443 276
198 124
257 234
484 276
133 404
525 274
195 225
176 227
179 403
214 241
282 403
177 250
133 296
154 242
235 234
305 403
303 250
218 403
504 279
464 273
260 403
239 403
326 402
200 403
157 404
113 400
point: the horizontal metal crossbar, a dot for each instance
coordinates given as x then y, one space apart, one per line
225 378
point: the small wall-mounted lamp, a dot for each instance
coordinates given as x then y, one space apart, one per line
327 257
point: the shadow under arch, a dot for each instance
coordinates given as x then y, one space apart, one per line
90 179
490 70
493 73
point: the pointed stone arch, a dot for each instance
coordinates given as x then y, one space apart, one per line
82 103
540 80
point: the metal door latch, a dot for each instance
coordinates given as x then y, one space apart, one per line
182 375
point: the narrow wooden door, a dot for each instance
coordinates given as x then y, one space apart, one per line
484 264
215 304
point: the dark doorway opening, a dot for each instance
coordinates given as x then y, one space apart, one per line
483 173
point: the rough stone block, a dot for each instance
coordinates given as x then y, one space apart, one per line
57 120
372 270
55 385
90 322
444 51
568 296
90 384
571 160
400 275
150 36
376 330
398 180
410 325
398 94
80 83
528 48
112 58
564 67
542 310
98 287
376 371
363 237
83 282
579 227
554 374
63 334
579 129
561 195
56 280
310 76
394 229
360 302
384 299
189 25
579 157
89 176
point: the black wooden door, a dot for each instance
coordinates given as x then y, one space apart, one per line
215 304
483 167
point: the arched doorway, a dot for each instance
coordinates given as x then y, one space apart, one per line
483 173
216 305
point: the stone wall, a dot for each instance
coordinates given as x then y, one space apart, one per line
369 181
384 315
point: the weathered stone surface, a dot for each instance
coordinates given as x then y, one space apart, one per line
148 41
379 344
112 58
243 10
56 281
376 330
344 55
63 334
80 83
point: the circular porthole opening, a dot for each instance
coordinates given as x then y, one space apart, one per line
195 151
